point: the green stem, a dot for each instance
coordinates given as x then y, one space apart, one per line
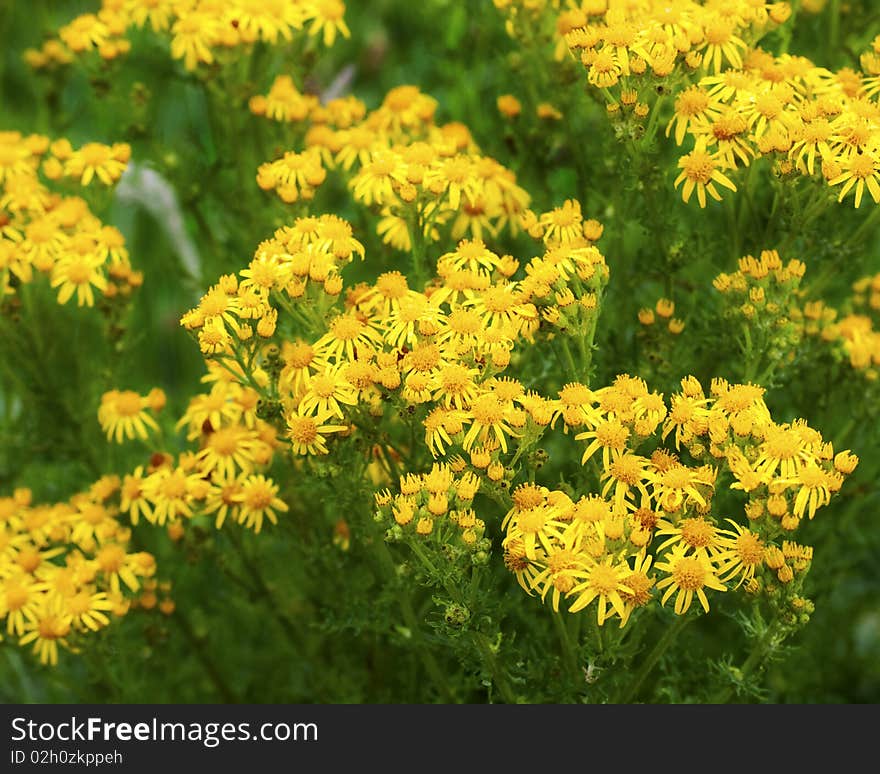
788 27
211 670
651 128
490 659
412 623
867 224
569 359
569 655
754 661
488 656
263 590
669 636
833 30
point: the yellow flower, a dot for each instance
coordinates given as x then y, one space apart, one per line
378 179
326 392
223 498
258 500
84 32
229 449
678 485
169 490
689 574
307 433
744 556
193 34
346 333
119 566
639 584
721 43
489 419
105 162
133 501
123 415
605 581
564 565
327 17
816 485
786 448
47 631
700 170
609 435
860 170
213 337
508 105
20 597
77 273
695 535
691 104
88 609
537 528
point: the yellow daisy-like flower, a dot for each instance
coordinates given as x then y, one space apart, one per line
258 500
77 273
118 566
132 499
605 581
123 415
489 419
815 487
785 449
327 391
327 18
193 34
170 493
15 158
564 565
700 171
610 436
308 433
721 43
88 609
20 597
689 575
678 485
694 534
536 527
94 159
224 499
347 332
47 631
744 556
640 585
228 450
860 171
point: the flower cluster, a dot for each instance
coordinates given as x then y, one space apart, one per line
442 348
66 569
856 335
759 298
808 120
652 523
198 31
661 316
420 177
436 506
632 45
223 477
45 233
